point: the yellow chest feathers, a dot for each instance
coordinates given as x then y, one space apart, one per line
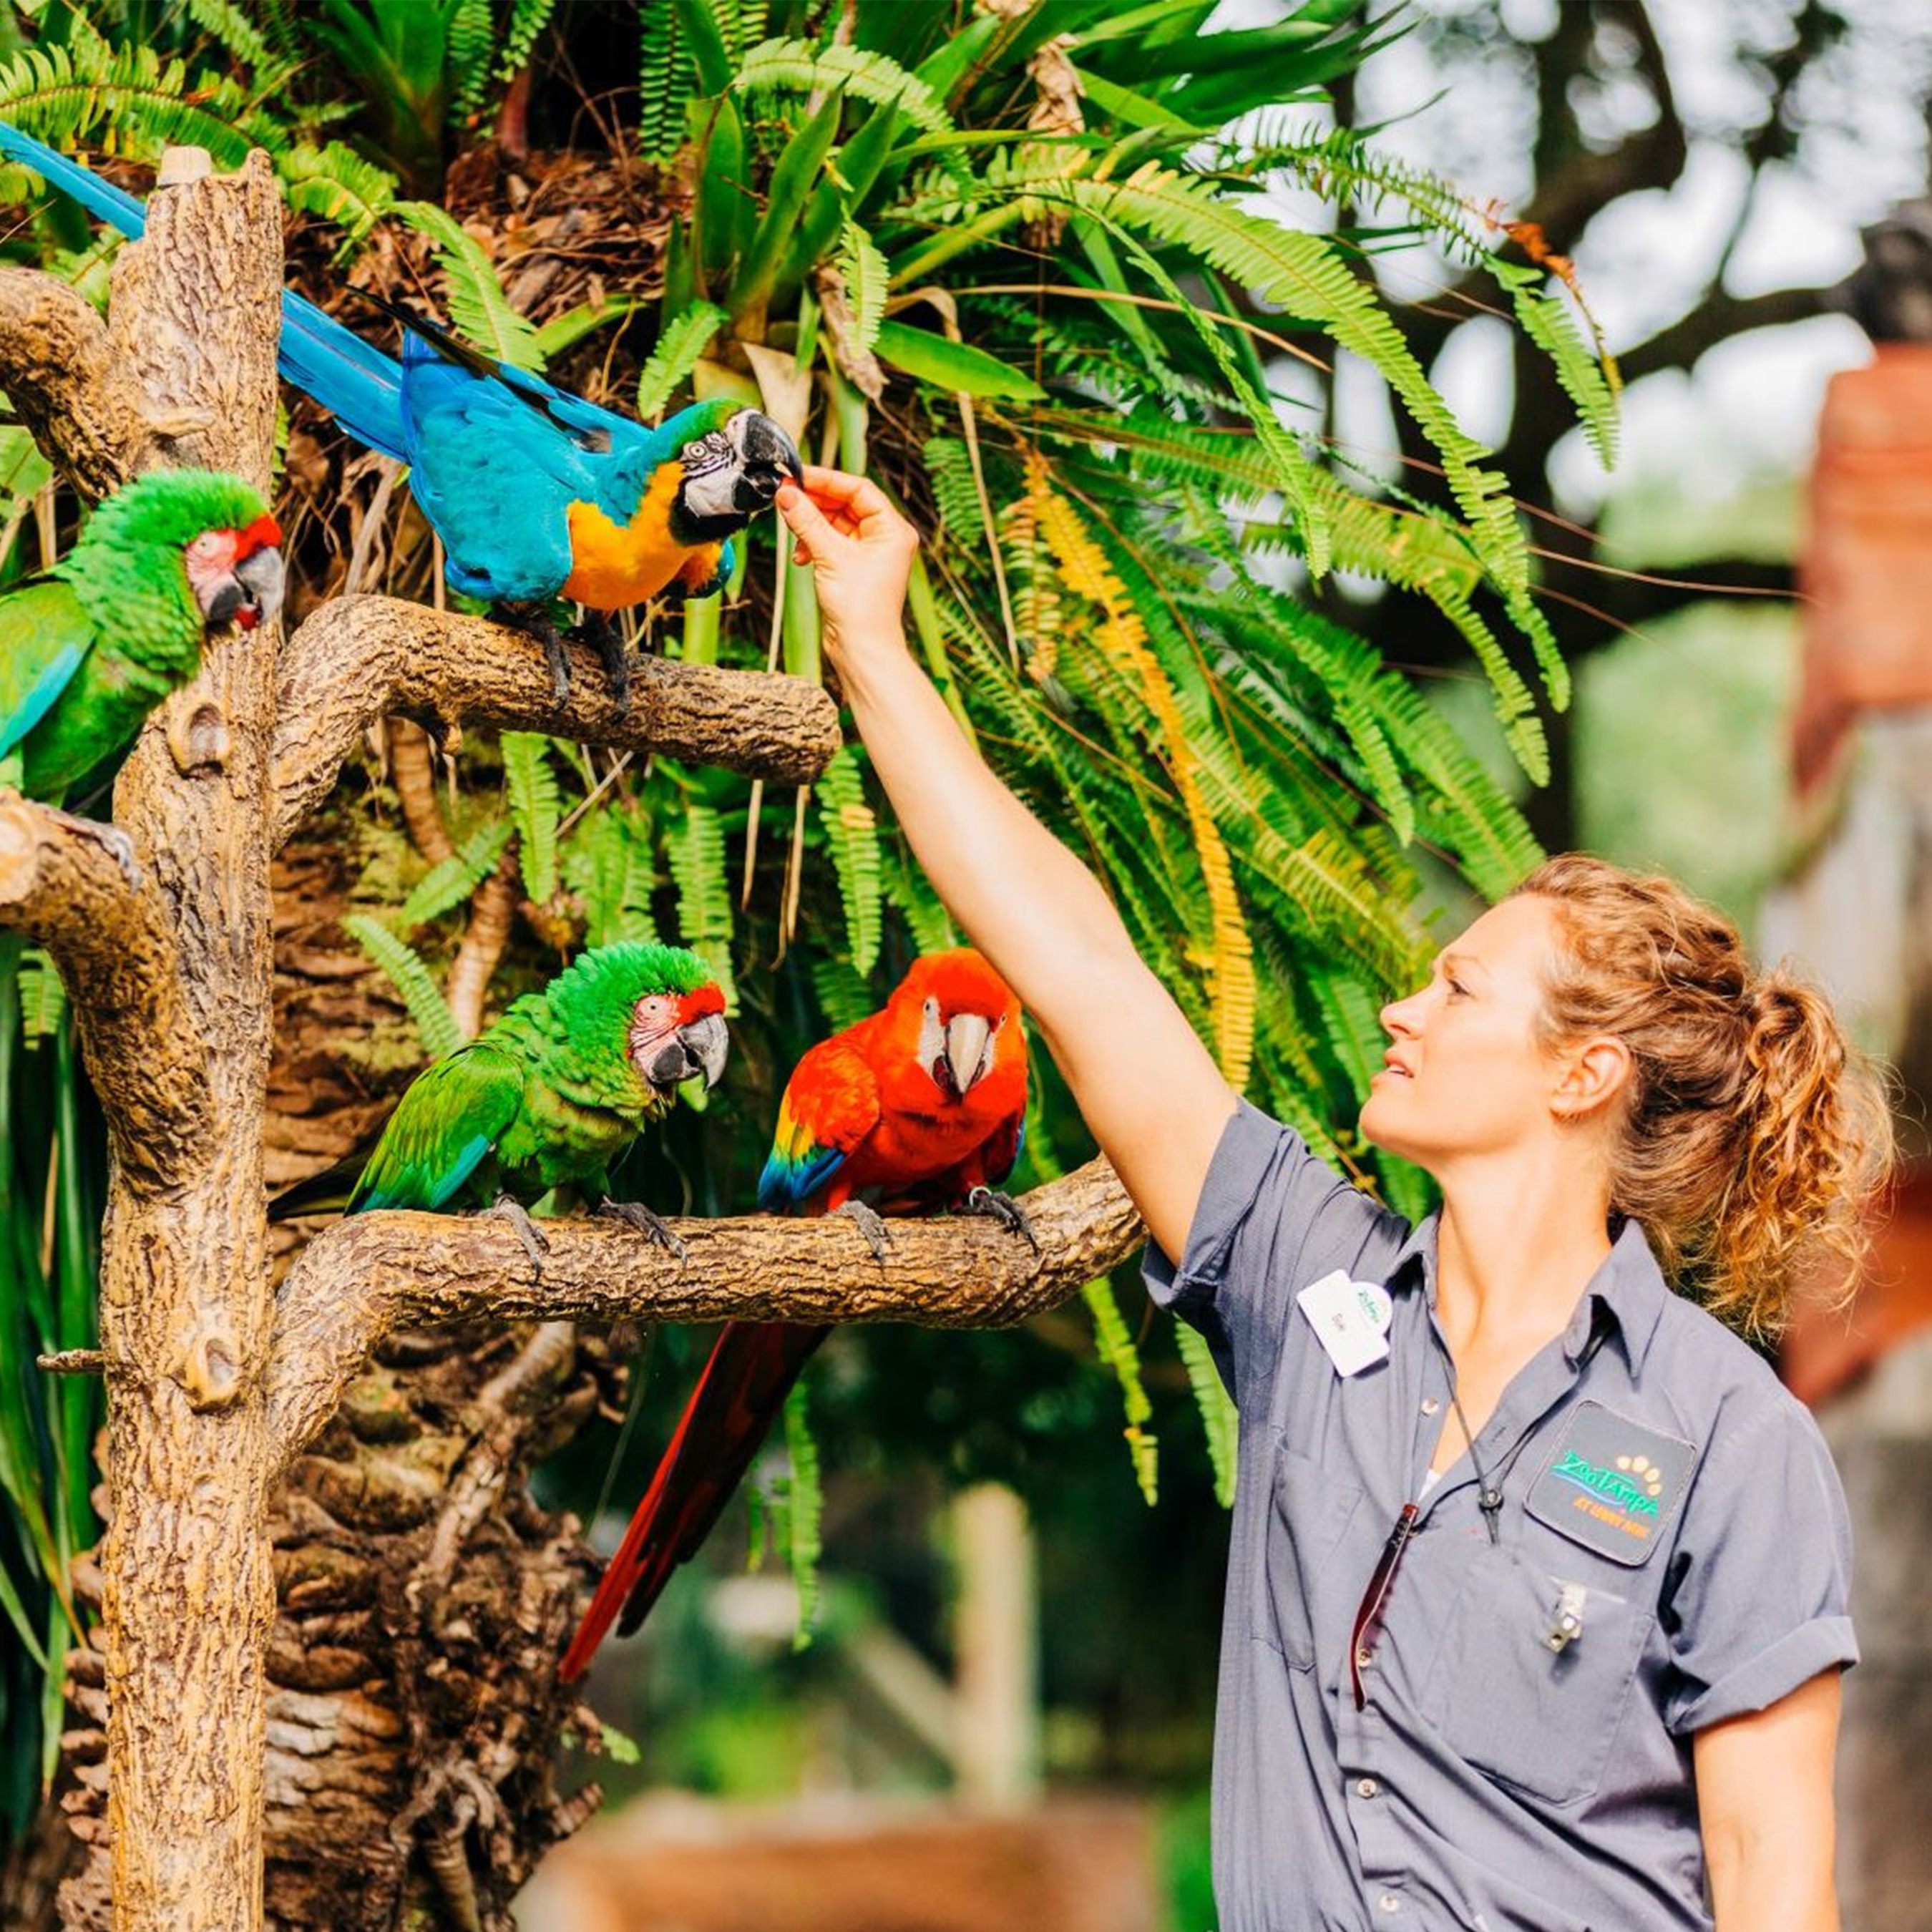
614 565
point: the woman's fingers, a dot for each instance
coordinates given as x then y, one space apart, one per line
815 532
867 509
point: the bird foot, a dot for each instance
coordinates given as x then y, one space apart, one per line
535 622
1003 1209
507 1208
111 839
607 641
635 1214
870 1224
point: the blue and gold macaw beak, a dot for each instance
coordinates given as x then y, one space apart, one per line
766 457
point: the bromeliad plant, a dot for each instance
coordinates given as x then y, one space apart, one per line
1019 266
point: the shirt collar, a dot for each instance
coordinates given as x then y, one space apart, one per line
1628 1284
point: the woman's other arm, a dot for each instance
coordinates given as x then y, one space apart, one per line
1150 1091
1764 1803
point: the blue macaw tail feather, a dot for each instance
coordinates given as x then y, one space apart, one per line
353 380
358 385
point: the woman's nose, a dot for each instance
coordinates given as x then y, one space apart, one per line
1397 1016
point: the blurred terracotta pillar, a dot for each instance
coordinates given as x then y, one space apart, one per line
1866 573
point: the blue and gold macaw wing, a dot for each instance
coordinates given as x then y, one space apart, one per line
452 1115
831 1103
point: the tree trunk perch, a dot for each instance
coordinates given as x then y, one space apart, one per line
371 1273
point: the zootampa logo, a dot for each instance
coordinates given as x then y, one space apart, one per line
1633 1483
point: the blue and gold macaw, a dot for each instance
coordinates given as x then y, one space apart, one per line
536 493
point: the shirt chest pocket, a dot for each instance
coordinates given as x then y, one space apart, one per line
1312 1509
1540 1719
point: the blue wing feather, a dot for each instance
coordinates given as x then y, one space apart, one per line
40 696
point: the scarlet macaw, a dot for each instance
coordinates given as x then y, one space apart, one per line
918 1108
536 493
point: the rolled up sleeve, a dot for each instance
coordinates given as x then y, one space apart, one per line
1272 1216
1766 1563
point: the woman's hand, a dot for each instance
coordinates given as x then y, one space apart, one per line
860 550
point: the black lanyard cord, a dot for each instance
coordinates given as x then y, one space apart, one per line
1488 1495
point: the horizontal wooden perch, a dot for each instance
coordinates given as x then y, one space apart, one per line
61 886
358 658
370 1274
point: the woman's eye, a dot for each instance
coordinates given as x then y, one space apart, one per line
1457 990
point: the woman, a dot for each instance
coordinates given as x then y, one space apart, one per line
1536 1597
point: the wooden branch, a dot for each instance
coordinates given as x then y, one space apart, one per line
1717 317
370 1274
65 382
358 658
63 888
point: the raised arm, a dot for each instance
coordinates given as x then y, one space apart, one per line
1152 1095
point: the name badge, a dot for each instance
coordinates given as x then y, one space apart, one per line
1613 1485
1350 1319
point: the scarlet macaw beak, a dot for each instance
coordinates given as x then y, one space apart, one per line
699 1047
967 1036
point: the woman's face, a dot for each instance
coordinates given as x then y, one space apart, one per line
1464 1073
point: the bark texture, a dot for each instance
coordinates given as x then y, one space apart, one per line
360 657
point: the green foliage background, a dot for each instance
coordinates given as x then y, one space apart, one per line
1052 335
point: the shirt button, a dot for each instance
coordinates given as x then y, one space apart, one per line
1388 1902
1366 1787
1430 1405
1362 1660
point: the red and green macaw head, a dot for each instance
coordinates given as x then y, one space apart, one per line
734 458
959 1019
658 1006
216 528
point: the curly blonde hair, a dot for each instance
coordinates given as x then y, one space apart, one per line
1753 1130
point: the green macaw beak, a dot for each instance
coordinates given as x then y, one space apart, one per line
699 1048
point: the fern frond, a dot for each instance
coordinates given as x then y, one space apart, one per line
536 805
478 309
468 42
1122 634
609 865
436 1025
239 39
805 1509
665 79
132 100
528 18
802 68
448 883
1115 1348
868 281
1220 1422
337 184
43 995
852 835
698 870
685 337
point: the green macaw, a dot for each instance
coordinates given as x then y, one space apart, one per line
88 649
553 1093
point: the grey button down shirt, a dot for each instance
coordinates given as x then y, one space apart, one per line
1489 1783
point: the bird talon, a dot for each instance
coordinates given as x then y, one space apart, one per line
870 1224
110 838
635 1214
607 641
534 622
507 1208
1003 1209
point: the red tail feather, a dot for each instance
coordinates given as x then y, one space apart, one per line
730 1412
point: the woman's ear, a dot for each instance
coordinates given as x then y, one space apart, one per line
1595 1074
